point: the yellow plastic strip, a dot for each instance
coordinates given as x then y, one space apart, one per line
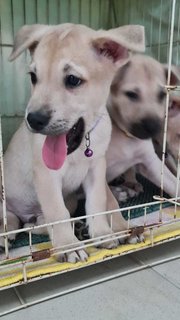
49 266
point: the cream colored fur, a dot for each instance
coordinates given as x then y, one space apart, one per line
30 185
146 76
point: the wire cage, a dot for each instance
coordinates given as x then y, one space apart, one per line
33 258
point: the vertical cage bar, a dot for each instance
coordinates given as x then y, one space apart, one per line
58 10
69 10
80 11
143 13
73 233
52 235
167 102
3 193
12 19
129 218
145 215
159 37
151 28
36 11
90 18
30 241
92 221
112 11
47 11
111 221
169 30
178 38
24 271
177 184
152 236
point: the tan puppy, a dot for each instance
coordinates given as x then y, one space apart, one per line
71 71
137 107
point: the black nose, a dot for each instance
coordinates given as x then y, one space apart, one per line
37 120
146 128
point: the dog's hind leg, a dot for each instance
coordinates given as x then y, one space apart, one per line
151 169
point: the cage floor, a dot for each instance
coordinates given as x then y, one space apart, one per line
147 196
152 293
12 274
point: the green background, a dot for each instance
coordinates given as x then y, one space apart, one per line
155 15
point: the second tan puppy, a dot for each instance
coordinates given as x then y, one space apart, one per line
66 132
137 107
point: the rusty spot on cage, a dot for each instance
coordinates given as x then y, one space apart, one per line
41 255
136 231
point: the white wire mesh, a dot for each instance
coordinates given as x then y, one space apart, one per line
174 8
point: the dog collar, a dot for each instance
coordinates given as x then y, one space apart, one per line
127 133
95 124
89 152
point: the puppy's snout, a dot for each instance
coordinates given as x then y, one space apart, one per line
37 120
146 128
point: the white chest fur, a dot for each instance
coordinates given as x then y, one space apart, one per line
75 168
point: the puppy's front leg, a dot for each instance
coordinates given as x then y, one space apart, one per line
151 169
96 201
49 192
118 222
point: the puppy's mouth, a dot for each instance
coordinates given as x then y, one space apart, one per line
57 147
146 128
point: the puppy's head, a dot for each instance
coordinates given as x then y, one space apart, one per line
138 97
71 71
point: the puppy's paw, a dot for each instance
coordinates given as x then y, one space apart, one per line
72 257
136 239
133 188
109 244
120 193
123 240
132 239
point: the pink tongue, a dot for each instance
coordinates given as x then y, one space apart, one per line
54 151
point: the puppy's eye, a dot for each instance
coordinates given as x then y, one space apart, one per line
33 78
132 95
72 81
161 95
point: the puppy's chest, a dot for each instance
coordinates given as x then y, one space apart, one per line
74 176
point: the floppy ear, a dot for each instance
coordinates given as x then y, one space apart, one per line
27 38
116 43
175 74
174 106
